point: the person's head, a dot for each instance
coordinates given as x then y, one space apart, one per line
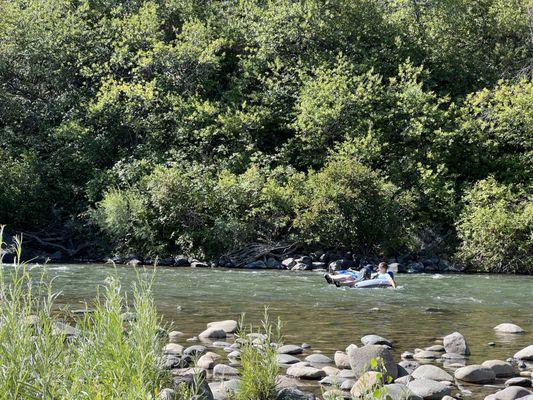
383 267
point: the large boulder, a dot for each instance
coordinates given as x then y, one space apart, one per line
509 393
508 328
375 339
366 384
361 358
429 389
525 353
501 369
398 391
305 372
432 372
228 326
456 343
475 374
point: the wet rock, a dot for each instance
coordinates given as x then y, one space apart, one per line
304 372
375 339
290 349
509 393
525 353
341 264
289 262
228 326
397 391
199 264
508 328
300 267
213 333
259 264
425 355
292 393
306 346
341 360
438 348
318 359
223 370
431 372
518 381
360 359
475 374
208 360
287 359
195 350
456 343
195 385
501 369
453 356
429 389
174 336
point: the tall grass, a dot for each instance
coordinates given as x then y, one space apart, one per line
111 357
259 366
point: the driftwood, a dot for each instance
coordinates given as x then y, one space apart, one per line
260 251
49 244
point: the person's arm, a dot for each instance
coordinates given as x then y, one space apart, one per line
392 282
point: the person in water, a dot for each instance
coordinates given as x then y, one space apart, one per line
349 277
385 274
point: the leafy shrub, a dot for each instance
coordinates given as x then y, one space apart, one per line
496 228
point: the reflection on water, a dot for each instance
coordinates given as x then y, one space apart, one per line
422 309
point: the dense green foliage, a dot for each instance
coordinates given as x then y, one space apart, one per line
200 126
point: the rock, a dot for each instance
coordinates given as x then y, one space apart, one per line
272 263
347 373
342 360
409 366
290 349
448 398
318 359
173 348
350 347
300 267
360 359
317 265
221 345
331 380
509 393
189 381
223 370
334 394
181 261
172 361
287 359
366 383
167 394
456 343
208 360
453 356
259 264
425 355
213 333
199 264
407 355
303 372
292 393
508 328
431 372
375 339
341 264
525 353
62 329
397 391
331 371
174 336
518 381
195 350
401 371
235 354
528 397
415 267
289 262
501 369
429 389
404 380
306 346
347 384
475 374
438 348
228 326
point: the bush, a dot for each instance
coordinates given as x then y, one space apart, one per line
496 228
110 357
348 205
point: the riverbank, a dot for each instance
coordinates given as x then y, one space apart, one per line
435 371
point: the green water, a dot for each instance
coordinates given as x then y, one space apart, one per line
424 308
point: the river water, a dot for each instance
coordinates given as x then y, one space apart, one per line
424 307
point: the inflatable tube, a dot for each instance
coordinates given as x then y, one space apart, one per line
372 283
